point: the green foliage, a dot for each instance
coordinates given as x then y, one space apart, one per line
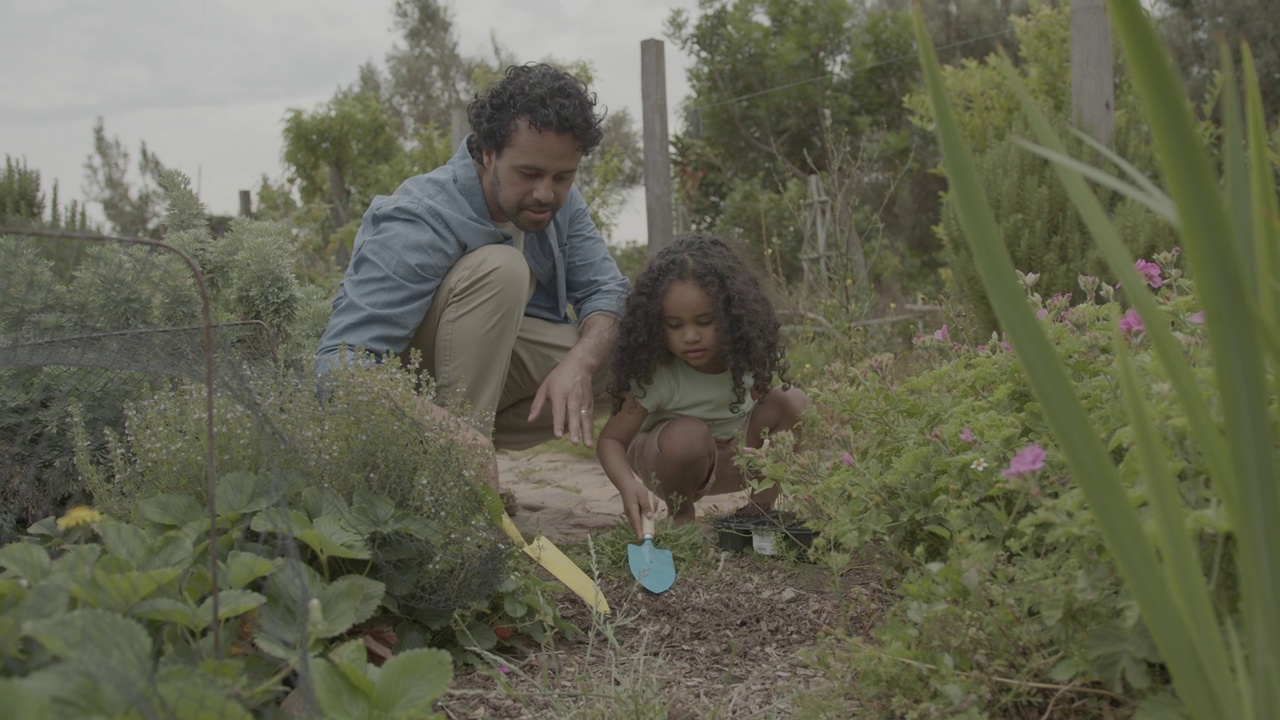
784 90
1042 228
129 211
115 619
21 197
996 576
1191 28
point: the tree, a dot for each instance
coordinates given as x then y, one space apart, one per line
784 90
427 76
128 210
1192 29
21 198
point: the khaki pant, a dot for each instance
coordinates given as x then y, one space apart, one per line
478 346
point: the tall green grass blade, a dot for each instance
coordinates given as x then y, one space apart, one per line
1086 456
1181 563
1237 177
1217 266
1262 181
1160 205
1139 179
1120 261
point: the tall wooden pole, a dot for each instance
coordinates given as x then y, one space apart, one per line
657 159
1093 93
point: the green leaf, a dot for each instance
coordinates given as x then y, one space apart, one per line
47 600
317 502
123 540
282 521
240 493
243 568
330 538
119 591
113 649
23 699
411 681
352 660
190 700
349 600
26 560
166 610
339 698
371 512
172 509
231 603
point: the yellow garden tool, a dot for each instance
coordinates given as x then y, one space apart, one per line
558 564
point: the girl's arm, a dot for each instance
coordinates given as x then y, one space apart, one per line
611 448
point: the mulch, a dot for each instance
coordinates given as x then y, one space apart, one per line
729 640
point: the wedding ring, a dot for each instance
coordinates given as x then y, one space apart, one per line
584 412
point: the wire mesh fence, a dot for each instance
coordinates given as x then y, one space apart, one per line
190 528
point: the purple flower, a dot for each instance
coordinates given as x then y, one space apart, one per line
1151 270
1131 323
941 333
967 435
1042 314
1029 460
847 459
1197 319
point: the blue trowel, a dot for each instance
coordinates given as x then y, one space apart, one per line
652 566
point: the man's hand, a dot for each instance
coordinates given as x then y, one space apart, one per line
635 504
568 389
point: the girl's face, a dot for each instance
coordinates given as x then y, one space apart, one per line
689 326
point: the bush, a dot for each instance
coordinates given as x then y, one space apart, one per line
999 573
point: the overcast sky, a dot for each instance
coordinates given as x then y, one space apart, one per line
207 84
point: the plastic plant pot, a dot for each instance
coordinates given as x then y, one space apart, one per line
765 534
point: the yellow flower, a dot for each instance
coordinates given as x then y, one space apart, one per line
79 515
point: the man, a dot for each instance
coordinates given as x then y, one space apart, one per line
476 263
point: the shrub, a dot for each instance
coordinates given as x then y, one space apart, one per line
1000 574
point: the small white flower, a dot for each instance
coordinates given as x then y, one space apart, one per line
980 464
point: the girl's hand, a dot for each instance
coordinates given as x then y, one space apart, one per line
635 504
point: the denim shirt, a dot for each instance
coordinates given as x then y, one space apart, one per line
409 240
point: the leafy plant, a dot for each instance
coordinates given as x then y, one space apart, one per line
107 618
1223 660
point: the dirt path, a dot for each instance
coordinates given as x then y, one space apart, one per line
566 497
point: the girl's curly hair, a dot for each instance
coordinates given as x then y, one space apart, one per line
746 326
549 99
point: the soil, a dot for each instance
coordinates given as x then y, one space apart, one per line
729 639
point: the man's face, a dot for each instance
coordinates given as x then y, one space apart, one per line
529 179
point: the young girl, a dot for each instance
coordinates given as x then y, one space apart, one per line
698 351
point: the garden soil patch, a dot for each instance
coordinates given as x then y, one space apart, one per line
729 640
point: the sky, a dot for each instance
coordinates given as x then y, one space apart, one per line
207 84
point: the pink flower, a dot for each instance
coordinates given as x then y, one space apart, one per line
1197 319
502 668
1029 460
1151 270
967 435
1131 323
941 333
1042 314
847 459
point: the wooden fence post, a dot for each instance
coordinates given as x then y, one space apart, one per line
657 156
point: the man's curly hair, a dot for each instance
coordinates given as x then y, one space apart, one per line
746 325
548 98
